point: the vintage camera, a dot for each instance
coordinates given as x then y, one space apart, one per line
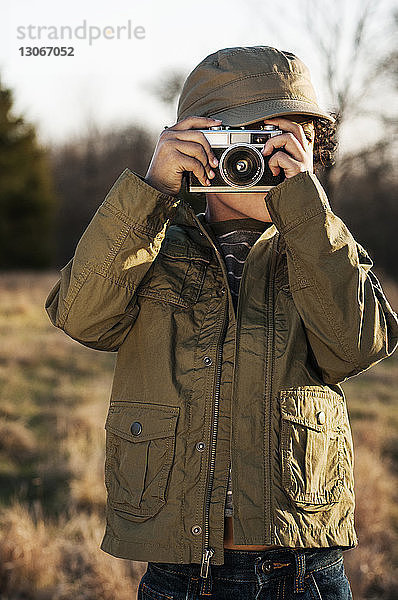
241 166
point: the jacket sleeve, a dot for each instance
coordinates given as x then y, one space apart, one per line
94 300
349 323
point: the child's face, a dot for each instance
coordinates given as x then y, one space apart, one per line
239 205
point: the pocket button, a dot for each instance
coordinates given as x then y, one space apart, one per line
136 428
321 417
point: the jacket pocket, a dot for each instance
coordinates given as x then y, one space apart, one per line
312 445
140 444
176 275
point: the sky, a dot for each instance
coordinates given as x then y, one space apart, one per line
107 82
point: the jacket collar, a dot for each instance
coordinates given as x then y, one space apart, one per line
185 216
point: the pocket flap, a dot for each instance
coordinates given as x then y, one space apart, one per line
140 421
314 406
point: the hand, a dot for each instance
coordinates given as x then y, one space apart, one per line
180 148
299 151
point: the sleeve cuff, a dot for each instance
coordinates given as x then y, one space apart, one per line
296 200
138 203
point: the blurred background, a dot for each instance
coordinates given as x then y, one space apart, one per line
69 125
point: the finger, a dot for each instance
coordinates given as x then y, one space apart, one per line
197 151
287 141
281 160
188 163
195 123
287 125
198 137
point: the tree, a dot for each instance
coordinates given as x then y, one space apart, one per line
353 46
27 200
84 170
168 87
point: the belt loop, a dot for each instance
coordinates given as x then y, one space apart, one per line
299 557
206 584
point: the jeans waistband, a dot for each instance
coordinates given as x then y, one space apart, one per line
252 565
245 561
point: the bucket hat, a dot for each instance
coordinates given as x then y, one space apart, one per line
243 85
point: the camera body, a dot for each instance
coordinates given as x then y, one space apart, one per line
241 166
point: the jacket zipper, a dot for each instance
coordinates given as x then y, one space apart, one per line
207 551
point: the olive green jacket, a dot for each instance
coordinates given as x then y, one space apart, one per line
196 385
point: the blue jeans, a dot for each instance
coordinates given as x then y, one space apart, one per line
278 574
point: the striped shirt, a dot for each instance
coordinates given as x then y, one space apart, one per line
235 238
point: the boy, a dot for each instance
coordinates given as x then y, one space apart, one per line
234 329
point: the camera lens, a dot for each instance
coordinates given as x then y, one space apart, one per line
241 165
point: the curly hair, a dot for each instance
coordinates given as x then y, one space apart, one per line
325 143
322 131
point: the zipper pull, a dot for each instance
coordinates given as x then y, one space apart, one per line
207 554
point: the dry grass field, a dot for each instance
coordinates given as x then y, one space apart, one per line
54 395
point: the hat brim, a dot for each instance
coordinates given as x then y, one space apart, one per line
246 114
